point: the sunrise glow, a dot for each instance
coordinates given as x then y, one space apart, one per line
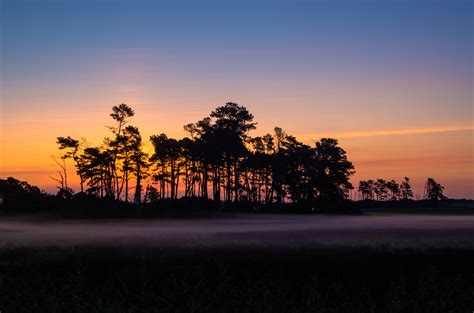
392 82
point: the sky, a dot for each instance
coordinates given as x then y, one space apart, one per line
392 80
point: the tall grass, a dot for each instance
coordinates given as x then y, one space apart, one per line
237 281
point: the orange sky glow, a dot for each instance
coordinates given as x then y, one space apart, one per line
392 81
445 153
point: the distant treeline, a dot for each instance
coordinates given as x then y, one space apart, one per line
218 166
382 190
20 197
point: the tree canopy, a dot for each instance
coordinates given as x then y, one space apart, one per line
219 160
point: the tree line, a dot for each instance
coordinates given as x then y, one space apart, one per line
218 160
383 190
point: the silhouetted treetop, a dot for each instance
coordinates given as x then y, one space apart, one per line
233 117
122 113
68 143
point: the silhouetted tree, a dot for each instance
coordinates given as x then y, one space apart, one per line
167 159
231 126
62 173
366 189
380 189
279 163
121 114
405 189
72 148
138 160
108 169
296 158
434 190
97 167
257 171
394 189
333 170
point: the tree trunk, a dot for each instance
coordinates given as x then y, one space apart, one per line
126 186
138 189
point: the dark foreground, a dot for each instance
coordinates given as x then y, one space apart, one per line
407 270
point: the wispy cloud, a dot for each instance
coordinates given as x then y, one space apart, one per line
466 160
392 132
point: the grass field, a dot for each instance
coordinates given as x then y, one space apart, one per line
239 264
